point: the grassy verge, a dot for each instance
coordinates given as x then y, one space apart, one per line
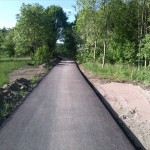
7 65
35 80
119 72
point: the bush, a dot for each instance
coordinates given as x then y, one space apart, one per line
42 55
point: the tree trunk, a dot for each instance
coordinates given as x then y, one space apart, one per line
145 61
140 31
105 36
95 47
104 54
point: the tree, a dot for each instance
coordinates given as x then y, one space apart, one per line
70 40
8 45
88 25
29 32
55 22
3 33
116 26
38 28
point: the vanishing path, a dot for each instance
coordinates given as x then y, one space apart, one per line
63 113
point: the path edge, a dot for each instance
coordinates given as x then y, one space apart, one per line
53 63
128 133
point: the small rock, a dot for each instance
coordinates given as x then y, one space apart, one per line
23 81
5 86
24 87
14 87
1 89
30 89
124 117
133 111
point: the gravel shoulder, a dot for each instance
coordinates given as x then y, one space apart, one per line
131 103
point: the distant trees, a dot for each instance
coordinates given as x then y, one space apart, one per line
3 33
55 24
70 40
38 28
8 45
29 31
36 33
114 31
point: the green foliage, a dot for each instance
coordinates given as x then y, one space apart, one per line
89 24
37 27
84 55
29 29
113 30
145 47
8 107
120 73
121 52
3 33
43 55
35 80
8 45
7 65
36 33
70 40
55 22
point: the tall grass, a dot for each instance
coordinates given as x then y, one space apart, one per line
119 72
7 65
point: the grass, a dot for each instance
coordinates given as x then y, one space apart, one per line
7 65
119 72
35 80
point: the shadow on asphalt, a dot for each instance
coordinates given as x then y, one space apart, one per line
129 134
65 62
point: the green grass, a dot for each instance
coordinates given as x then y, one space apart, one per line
119 72
35 80
7 65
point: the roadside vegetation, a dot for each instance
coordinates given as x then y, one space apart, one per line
114 38
35 80
119 73
7 65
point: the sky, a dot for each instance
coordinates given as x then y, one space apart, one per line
9 9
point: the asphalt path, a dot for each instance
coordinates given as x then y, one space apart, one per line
63 113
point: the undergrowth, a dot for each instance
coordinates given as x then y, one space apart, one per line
7 65
119 72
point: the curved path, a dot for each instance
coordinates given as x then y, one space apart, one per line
63 113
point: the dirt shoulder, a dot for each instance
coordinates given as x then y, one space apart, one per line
21 82
20 85
131 103
27 72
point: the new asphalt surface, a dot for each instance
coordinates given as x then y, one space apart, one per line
63 113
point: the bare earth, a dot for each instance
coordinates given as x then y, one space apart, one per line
131 103
27 73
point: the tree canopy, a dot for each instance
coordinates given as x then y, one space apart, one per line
114 31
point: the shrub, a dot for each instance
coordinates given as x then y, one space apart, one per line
42 55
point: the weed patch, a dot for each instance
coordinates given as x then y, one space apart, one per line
119 72
7 65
